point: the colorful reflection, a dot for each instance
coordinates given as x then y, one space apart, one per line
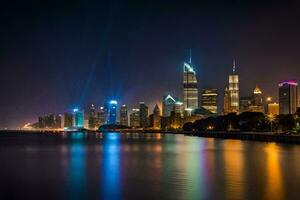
234 169
274 186
77 168
111 183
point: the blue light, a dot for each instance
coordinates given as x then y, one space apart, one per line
75 110
113 102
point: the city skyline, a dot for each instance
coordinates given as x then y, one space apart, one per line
55 63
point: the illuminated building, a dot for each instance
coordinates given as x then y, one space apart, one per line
91 115
112 112
144 121
168 105
178 108
101 117
123 115
135 118
155 118
288 97
175 120
273 108
190 88
50 121
226 101
245 104
68 120
78 118
233 89
58 121
209 100
257 104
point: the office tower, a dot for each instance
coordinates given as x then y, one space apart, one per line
288 97
190 87
42 121
245 104
233 89
273 108
123 115
226 101
175 120
58 122
91 115
78 118
101 117
144 123
209 100
68 120
135 118
155 118
168 105
112 112
257 103
178 108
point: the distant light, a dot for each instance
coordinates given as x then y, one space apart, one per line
269 99
75 110
289 82
170 97
178 103
113 102
101 108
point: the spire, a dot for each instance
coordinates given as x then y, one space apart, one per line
233 66
190 56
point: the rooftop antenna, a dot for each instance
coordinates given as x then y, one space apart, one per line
233 66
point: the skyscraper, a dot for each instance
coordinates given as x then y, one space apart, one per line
112 112
288 98
209 100
257 104
226 101
78 118
68 120
143 115
168 105
190 86
101 117
233 89
155 118
91 116
123 115
135 118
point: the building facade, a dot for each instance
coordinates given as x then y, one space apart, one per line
123 115
288 97
135 118
144 121
209 100
233 91
190 87
78 118
168 105
112 112
155 118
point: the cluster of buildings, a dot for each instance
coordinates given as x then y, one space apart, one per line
174 112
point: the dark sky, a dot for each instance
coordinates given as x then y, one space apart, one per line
55 55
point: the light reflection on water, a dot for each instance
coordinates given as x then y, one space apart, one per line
149 166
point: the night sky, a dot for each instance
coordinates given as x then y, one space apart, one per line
55 55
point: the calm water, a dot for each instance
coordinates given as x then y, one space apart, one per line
145 166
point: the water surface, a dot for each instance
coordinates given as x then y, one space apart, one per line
145 166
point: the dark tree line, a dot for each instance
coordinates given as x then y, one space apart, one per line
246 121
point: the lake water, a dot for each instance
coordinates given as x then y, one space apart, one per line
145 166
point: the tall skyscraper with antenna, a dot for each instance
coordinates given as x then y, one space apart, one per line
233 90
190 86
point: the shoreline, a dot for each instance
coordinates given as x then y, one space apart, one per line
250 136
